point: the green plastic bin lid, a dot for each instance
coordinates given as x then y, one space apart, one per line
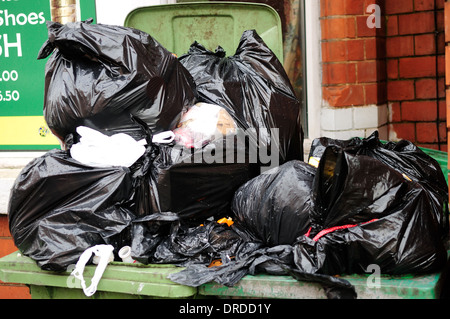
212 24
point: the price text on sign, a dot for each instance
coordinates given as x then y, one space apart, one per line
9 95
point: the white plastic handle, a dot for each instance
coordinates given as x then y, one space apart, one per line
164 137
105 256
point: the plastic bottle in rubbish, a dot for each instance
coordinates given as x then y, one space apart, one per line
125 255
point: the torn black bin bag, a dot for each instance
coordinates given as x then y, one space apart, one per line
59 207
253 257
188 186
98 75
200 244
367 213
254 88
275 206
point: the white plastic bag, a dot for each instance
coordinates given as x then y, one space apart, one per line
202 124
103 256
99 150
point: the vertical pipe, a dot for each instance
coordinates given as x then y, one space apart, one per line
63 11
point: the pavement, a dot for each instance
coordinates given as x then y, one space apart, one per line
11 163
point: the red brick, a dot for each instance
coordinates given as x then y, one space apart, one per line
405 131
426 89
426 132
400 90
7 246
339 73
362 29
4 226
8 291
371 71
400 46
398 6
344 50
424 44
338 28
395 114
369 2
375 93
367 71
441 65
447 21
441 43
355 50
419 111
440 20
392 25
344 95
375 48
416 23
442 110
335 51
423 5
416 67
392 68
342 7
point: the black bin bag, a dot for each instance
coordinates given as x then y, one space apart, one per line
404 157
255 90
101 75
275 206
368 212
185 186
196 190
59 207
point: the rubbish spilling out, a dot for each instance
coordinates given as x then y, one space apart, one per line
197 161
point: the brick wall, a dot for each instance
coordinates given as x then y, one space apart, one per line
415 69
8 290
353 71
392 74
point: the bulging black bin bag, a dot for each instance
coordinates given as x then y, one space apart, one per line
402 156
101 75
193 188
254 88
59 207
275 206
368 213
